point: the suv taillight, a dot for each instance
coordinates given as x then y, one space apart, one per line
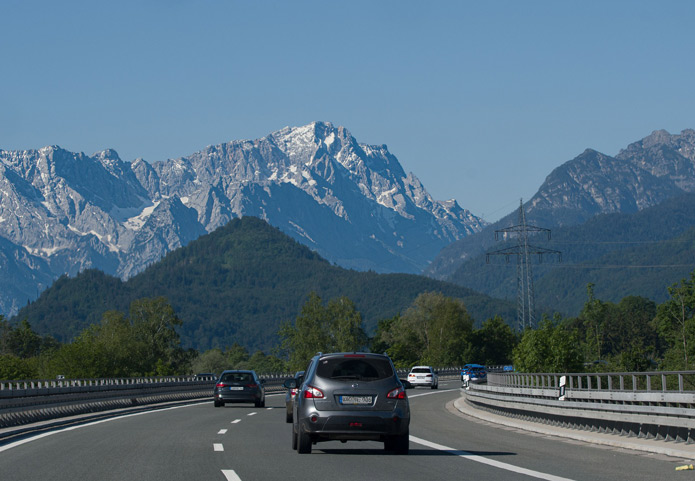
313 393
220 384
398 393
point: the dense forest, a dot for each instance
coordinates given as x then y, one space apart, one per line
238 284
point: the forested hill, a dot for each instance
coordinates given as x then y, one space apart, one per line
239 284
638 254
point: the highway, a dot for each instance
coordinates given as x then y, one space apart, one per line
241 442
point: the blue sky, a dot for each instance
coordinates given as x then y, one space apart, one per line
481 100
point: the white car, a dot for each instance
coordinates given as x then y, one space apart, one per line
423 376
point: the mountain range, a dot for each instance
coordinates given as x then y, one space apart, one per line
646 173
62 212
624 224
353 204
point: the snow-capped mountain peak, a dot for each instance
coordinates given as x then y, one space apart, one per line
351 202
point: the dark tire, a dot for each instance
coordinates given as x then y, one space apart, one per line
401 444
434 386
294 439
303 443
218 404
288 416
262 404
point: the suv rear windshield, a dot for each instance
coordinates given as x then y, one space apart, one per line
421 369
349 368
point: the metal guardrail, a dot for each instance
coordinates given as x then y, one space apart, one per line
653 405
25 402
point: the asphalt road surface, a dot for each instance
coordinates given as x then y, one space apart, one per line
242 442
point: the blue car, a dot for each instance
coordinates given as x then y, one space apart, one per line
473 373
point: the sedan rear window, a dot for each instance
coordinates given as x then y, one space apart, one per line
421 370
362 369
237 377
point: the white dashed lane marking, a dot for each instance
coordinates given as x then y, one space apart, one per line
222 431
252 414
236 421
230 475
218 447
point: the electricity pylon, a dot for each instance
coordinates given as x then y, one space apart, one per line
526 302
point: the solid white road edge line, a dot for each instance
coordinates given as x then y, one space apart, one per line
93 423
489 462
432 392
231 475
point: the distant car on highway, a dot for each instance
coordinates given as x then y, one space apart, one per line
473 373
351 396
465 370
423 376
291 394
238 386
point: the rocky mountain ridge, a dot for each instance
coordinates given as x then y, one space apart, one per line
644 174
62 212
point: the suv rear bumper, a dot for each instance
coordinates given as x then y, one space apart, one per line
240 397
345 425
421 382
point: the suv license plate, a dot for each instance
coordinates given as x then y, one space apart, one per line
359 400
236 388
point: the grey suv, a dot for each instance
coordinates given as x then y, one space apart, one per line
350 397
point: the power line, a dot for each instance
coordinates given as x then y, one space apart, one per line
524 276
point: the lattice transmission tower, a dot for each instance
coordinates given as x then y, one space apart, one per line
526 301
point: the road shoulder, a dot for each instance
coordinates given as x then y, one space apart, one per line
683 451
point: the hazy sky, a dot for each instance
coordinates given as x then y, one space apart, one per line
480 99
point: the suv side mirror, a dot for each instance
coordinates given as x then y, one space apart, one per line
290 383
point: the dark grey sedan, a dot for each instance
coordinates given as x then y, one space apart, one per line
351 396
239 387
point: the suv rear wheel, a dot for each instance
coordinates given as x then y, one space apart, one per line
303 443
398 444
